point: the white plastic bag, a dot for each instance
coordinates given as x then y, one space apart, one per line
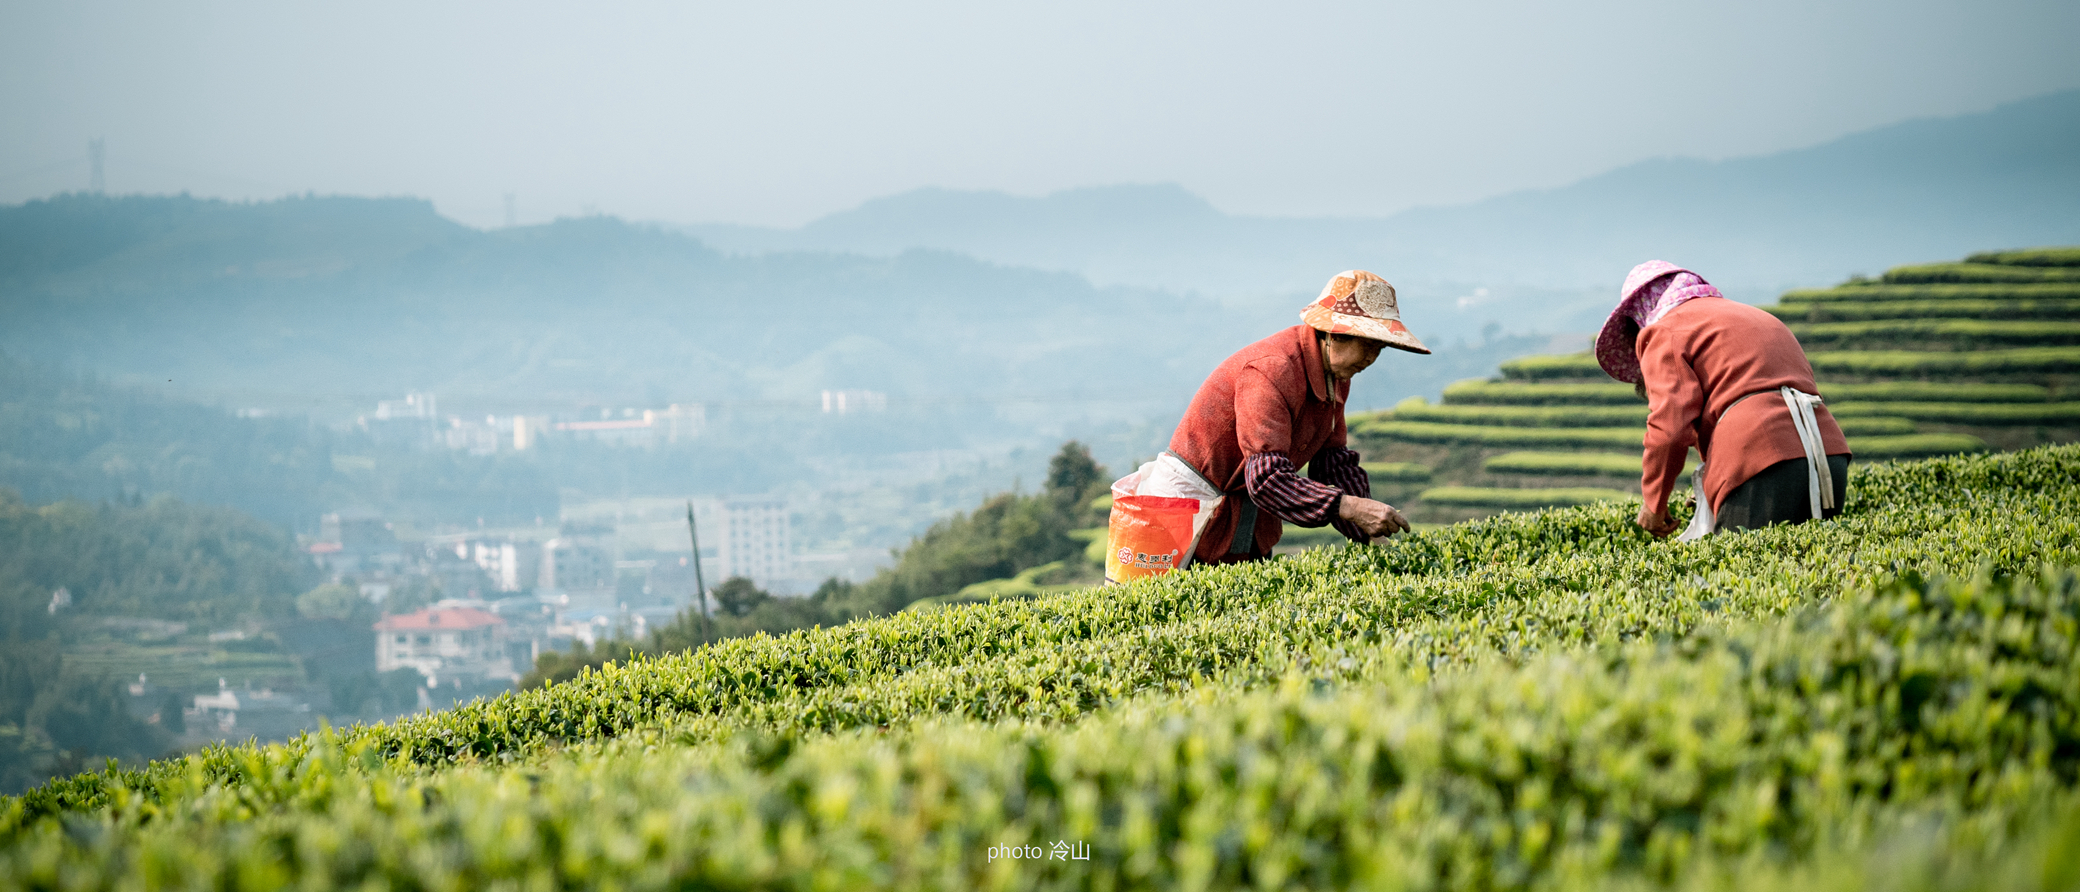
1170 477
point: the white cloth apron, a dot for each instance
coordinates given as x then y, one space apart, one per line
1819 477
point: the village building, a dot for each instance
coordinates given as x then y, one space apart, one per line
445 643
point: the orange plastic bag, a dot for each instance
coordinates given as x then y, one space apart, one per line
1147 536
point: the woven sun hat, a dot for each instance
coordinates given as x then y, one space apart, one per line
1356 302
1651 290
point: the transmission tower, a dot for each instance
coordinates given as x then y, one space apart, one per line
95 184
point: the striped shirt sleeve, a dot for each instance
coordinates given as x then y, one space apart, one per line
1276 486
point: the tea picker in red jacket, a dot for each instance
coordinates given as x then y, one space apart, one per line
1731 380
1277 405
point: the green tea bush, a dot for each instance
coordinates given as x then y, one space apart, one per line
1492 497
1889 293
1849 311
1396 472
1570 365
1911 362
1443 603
1503 437
1482 392
1874 425
2042 332
746 673
1651 759
1563 463
2062 256
1934 849
1935 392
1545 426
1988 414
1526 416
1978 272
1913 445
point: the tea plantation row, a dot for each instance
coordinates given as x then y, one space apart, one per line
2031 360
1509 589
1366 764
2016 509
1873 438
1517 393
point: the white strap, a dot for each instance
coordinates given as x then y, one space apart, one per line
1703 523
1819 477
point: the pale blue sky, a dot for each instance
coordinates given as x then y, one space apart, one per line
777 112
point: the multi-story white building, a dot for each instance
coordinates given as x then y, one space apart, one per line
474 437
576 565
757 540
512 566
409 422
846 402
644 429
444 641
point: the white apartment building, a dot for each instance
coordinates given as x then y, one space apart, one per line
576 565
846 402
645 429
756 541
512 566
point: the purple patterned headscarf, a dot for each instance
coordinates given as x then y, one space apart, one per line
1651 290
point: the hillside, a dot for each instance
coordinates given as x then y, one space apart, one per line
1864 202
79 437
1532 701
91 596
357 299
1928 359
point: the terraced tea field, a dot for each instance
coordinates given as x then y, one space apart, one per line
1931 359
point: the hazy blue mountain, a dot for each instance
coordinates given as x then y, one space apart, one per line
329 304
359 298
1548 260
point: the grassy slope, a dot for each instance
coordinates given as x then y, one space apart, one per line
1505 589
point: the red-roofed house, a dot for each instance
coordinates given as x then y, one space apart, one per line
444 641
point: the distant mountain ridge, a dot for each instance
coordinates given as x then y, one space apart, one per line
1941 187
369 296
981 298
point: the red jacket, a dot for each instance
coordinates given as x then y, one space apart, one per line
1273 396
1698 360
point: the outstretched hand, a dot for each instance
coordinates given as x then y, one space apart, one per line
1374 518
1658 523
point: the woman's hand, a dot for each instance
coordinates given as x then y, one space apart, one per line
1373 518
1656 522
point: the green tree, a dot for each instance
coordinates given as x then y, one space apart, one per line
86 715
1007 534
163 558
335 601
738 596
1071 474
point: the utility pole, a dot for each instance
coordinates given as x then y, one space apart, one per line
700 585
95 183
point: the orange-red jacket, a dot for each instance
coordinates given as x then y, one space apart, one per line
1702 358
1273 396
